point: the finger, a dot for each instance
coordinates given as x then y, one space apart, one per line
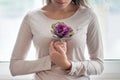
51 46
64 43
56 43
53 49
61 43
60 49
63 48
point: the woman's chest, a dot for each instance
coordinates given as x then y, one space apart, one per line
42 35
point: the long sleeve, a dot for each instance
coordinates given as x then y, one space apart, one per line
93 66
18 64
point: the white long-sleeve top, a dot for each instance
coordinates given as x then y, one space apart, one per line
36 27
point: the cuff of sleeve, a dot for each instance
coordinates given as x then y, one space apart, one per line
75 69
71 72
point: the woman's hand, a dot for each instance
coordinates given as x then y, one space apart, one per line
57 51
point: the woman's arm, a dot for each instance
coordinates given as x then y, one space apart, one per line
18 64
95 49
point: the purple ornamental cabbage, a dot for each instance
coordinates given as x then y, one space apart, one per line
62 31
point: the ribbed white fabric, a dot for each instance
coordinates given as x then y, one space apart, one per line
36 27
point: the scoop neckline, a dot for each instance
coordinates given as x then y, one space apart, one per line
68 18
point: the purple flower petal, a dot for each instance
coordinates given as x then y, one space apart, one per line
62 30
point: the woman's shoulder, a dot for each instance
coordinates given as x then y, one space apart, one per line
87 10
34 12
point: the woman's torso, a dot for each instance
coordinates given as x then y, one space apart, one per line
41 25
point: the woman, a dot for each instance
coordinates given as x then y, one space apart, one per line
59 60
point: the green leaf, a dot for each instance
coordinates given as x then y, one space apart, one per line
63 39
53 26
71 34
52 31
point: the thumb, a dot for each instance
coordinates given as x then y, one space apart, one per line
51 48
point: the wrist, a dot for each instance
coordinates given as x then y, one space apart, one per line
68 65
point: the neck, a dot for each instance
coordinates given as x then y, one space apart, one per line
52 8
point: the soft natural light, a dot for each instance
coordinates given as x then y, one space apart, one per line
13 11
